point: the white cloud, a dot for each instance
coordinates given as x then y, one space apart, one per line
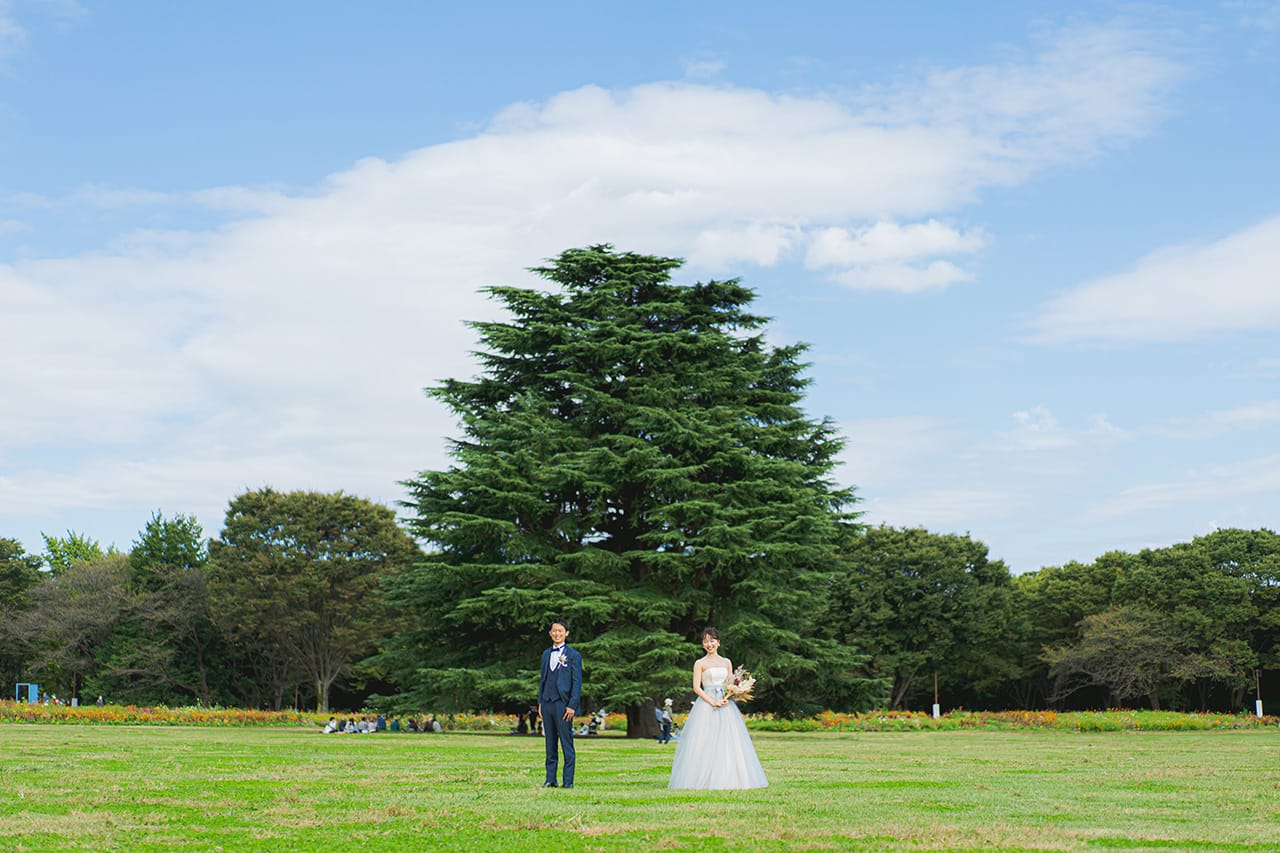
1209 486
879 452
1268 367
888 241
116 199
895 463
1037 429
1257 14
904 278
1089 88
702 69
289 347
890 256
940 509
93 196
1215 424
760 243
12 35
1177 293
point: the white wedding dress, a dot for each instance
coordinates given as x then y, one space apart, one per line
714 750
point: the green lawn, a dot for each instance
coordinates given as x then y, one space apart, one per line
175 788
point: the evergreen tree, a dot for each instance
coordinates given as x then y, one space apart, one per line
62 551
165 648
635 459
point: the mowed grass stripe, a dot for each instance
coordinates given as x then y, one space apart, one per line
174 788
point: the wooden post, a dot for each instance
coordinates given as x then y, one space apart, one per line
937 709
1257 683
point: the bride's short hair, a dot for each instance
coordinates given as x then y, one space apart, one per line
710 632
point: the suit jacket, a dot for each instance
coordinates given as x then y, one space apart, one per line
565 684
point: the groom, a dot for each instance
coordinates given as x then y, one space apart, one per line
559 695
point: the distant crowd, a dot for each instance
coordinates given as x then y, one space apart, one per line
52 699
369 724
530 723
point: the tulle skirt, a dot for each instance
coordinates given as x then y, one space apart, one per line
715 751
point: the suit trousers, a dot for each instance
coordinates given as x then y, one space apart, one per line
559 736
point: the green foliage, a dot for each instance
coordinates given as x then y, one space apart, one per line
295 582
61 552
924 602
165 545
72 617
1131 650
19 573
164 648
634 457
1193 618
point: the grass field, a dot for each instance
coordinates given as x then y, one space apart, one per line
243 789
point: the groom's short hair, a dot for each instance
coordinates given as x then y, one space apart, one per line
558 621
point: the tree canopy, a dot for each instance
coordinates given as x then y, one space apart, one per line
634 457
294 580
925 603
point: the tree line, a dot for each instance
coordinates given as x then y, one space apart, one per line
294 598
634 458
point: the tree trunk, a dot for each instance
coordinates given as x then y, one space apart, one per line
1154 695
641 721
901 687
206 695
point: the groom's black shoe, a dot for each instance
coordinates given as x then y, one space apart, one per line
570 785
548 784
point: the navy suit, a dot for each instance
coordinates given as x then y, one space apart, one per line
558 690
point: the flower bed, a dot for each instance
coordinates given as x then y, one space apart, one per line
869 721
132 715
1095 721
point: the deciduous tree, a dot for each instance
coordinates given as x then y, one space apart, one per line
295 582
19 572
922 602
72 616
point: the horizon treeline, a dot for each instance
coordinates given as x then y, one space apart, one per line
277 614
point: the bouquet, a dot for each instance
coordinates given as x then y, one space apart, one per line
739 686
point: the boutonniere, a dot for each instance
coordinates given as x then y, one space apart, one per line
559 659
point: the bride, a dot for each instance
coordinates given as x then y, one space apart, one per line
714 750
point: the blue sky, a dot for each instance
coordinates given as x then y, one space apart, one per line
1034 253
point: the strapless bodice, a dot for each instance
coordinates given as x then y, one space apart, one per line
714 676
